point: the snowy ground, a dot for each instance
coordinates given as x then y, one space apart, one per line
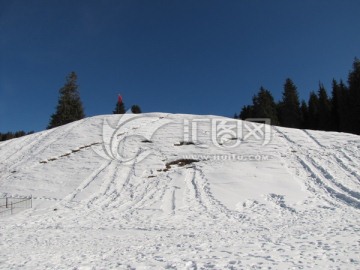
293 203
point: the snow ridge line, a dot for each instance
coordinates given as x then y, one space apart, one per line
87 181
296 159
313 138
134 200
24 142
97 195
112 188
329 176
330 191
159 187
345 154
346 168
195 191
108 190
319 178
157 195
33 146
212 202
279 202
38 145
123 190
339 163
351 175
283 135
152 192
200 194
3 143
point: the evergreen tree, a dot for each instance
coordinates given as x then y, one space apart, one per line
354 97
313 111
135 109
278 112
264 106
304 115
289 106
324 109
335 114
246 112
344 110
119 108
340 113
69 106
12 135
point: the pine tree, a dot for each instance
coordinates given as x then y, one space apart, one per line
69 106
304 115
313 111
289 106
354 97
119 108
12 135
135 109
246 112
345 121
264 106
335 114
324 109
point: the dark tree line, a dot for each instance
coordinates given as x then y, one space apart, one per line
338 112
13 135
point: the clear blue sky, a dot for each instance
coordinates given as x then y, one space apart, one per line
199 57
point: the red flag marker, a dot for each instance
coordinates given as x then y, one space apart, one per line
119 99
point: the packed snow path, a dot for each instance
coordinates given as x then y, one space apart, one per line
129 192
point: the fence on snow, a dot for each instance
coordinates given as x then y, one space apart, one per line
10 205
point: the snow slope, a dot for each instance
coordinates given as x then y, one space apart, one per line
112 192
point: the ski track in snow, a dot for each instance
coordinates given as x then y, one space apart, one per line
39 144
322 176
139 215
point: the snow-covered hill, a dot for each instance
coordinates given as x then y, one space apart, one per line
163 191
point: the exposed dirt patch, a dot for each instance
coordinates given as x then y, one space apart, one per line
179 162
184 143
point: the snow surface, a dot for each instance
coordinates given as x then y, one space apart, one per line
93 208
